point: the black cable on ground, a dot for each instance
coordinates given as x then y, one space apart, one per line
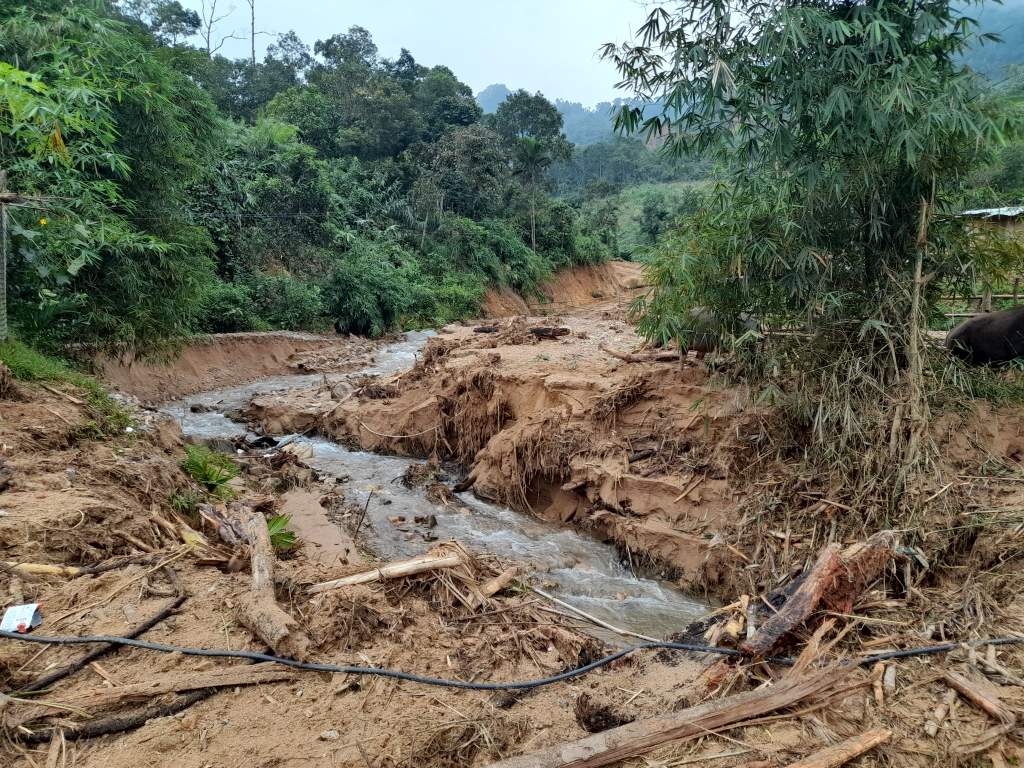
370 670
473 686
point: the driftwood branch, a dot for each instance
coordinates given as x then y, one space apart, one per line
394 570
127 721
835 581
105 698
259 610
60 674
836 755
71 571
634 739
645 357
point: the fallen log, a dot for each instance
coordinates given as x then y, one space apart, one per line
259 610
642 736
836 580
394 570
836 755
646 357
106 698
550 333
47 680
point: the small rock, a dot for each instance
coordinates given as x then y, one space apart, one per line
128 430
431 521
329 735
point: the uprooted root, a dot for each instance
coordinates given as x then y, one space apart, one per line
346 624
450 591
620 399
473 413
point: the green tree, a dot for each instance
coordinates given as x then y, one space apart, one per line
843 130
526 116
529 163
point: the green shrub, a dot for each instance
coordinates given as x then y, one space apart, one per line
229 308
210 469
279 537
287 303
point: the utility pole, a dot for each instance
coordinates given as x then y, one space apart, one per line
252 28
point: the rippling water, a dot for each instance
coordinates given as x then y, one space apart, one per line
587 572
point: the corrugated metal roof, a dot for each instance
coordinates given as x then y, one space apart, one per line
990 213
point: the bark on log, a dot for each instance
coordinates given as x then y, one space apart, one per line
392 571
836 580
633 739
834 756
259 610
647 357
105 698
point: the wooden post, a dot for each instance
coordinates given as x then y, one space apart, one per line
3 260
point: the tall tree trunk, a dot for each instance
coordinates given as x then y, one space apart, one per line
533 221
919 411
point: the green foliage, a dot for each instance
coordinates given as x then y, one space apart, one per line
212 470
28 364
186 504
229 308
189 193
280 538
842 132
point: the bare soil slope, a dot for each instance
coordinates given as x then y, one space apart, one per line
226 359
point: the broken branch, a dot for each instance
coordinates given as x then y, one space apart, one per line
834 756
636 738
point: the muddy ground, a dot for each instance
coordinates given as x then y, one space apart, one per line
678 473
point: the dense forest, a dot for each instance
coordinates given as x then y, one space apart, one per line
174 191
169 191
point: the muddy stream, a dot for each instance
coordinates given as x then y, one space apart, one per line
588 573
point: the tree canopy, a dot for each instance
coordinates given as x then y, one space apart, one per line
186 192
844 133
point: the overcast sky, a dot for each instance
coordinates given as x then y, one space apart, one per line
541 45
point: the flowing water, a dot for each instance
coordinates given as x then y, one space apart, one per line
587 573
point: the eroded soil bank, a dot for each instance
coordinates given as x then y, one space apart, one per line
226 359
675 470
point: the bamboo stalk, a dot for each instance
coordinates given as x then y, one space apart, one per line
391 571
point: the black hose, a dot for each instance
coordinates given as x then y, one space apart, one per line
473 686
370 670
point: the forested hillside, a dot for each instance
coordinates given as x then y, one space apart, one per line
176 192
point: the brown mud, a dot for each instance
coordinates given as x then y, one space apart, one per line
674 469
226 359
572 288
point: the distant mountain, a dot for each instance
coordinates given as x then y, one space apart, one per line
586 126
583 126
1007 21
491 96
